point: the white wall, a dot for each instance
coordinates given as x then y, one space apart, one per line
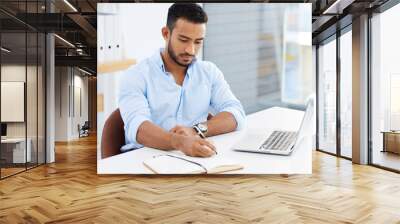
136 28
67 116
80 83
141 46
61 103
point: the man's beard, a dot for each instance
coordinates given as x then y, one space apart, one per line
174 57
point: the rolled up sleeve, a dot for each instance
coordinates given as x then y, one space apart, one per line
222 99
133 105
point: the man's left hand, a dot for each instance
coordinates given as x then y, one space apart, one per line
182 130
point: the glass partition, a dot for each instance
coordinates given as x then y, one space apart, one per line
31 98
346 93
41 107
22 77
385 89
327 96
13 95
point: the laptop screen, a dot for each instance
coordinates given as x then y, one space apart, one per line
306 120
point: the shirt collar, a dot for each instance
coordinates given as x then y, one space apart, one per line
160 63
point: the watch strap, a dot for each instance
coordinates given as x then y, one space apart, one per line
199 132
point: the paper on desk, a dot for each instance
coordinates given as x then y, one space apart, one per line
164 164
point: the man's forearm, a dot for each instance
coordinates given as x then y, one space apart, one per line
153 136
221 123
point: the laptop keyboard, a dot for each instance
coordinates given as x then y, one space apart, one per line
279 140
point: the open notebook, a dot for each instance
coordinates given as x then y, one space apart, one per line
178 163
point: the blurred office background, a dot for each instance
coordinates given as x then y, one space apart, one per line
265 53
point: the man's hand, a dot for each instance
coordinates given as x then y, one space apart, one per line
193 145
186 131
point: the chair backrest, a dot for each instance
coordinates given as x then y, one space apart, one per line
113 136
86 126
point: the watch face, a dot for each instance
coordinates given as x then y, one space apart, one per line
202 127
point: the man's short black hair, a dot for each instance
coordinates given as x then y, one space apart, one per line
189 11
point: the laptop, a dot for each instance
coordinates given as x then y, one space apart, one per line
279 142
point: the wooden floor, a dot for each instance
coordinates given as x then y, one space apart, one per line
10 171
70 191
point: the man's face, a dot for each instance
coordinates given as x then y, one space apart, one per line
184 42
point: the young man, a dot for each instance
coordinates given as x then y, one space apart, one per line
165 99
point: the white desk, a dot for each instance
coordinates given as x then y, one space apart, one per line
299 162
18 151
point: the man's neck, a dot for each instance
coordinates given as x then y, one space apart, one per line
171 66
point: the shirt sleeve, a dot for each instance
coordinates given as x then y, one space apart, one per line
133 105
222 99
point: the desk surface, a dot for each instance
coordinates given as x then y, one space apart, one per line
391 132
13 140
299 162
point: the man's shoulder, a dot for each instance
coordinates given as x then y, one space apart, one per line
140 69
206 65
210 69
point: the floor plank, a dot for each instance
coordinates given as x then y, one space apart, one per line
70 191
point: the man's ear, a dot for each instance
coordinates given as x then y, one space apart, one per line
165 32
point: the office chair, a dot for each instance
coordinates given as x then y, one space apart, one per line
113 135
84 130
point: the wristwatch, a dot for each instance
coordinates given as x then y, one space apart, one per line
201 129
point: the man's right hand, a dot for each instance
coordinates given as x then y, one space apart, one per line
193 145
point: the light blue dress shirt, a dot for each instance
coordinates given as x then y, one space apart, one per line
147 92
